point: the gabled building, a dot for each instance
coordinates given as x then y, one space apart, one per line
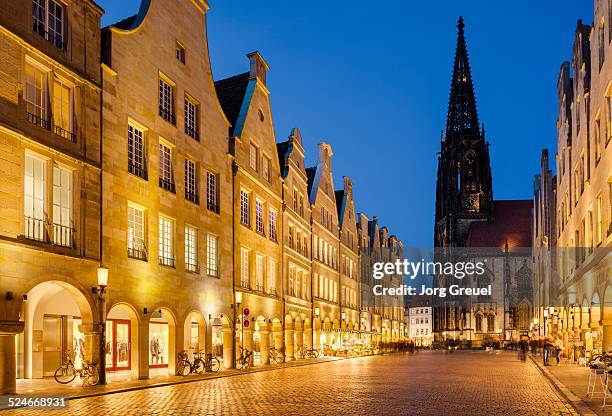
50 92
325 251
257 203
297 241
167 192
349 261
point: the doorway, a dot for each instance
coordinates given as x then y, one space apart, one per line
53 343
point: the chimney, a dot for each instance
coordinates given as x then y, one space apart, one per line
348 186
325 153
259 67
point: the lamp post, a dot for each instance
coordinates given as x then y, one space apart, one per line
238 301
102 283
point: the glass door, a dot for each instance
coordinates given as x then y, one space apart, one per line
52 344
118 349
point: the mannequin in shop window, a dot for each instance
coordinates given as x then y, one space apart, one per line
156 350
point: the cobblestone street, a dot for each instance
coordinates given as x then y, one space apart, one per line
427 383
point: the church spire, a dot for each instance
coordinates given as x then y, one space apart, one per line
462 114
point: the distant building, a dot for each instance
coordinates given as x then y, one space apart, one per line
472 225
420 325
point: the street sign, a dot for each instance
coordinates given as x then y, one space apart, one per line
247 322
245 311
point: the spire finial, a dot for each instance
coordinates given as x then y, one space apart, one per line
460 24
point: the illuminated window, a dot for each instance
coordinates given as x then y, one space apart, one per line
265 168
191 185
212 196
62 110
253 156
166 179
35 185
212 255
166 241
259 225
260 272
166 101
272 277
36 96
191 118
272 225
192 262
244 208
136 152
48 20
244 267
62 207
136 233
180 52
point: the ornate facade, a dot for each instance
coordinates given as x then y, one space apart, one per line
470 225
576 284
121 151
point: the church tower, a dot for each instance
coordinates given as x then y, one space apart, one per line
464 192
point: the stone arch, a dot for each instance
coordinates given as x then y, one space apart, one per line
163 333
58 309
194 332
607 305
584 313
595 308
122 317
222 340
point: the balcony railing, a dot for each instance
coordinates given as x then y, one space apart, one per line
36 229
167 184
137 250
189 196
167 114
272 291
259 287
212 205
138 171
39 121
166 261
63 235
193 132
58 41
244 284
192 266
68 135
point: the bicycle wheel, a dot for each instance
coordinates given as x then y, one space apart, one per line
199 366
215 364
280 358
65 374
93 376
246 362
183 368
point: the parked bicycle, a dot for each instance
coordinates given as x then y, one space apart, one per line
312 353
184 367
67 372
212 363
244 360
276 356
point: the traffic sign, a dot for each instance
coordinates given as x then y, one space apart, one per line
245 311
247 322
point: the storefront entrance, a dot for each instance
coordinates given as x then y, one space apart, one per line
159 336
118 345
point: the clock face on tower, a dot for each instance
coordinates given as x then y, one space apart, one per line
472 202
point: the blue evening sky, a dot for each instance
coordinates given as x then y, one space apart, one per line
373 80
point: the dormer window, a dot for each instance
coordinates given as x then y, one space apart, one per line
48 20
180 52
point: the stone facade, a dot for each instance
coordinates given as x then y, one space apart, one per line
578 255
50 92
122 153
157 279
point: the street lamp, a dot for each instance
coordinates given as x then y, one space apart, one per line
238 301
102 284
